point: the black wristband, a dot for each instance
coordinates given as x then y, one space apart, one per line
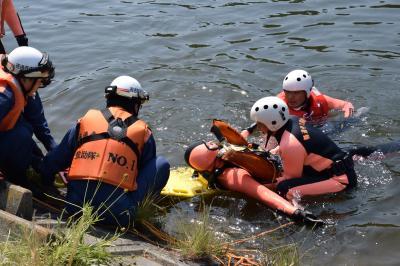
251 128
22 40
2 50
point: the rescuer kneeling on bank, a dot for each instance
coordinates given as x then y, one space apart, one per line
112 158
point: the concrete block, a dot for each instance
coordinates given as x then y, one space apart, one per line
17 225
16 200
134 251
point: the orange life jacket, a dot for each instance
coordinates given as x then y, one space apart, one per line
9 121
109 148
317 107
258 164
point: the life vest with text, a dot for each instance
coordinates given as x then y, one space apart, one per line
109 148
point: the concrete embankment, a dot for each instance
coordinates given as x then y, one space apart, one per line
18 214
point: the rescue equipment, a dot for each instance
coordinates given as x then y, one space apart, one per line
28 62
11 118
271 111
298 80
257 162
223 130
184 183
127 87
241 153
109 149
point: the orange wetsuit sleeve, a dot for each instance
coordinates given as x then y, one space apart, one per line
11 17
345 106
293 155
237 179
147 134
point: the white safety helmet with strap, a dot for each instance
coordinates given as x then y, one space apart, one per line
271 111
28 62
128 87
298 80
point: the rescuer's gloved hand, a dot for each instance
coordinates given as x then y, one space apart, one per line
22 40
307 218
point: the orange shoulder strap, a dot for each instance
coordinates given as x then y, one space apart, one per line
223 129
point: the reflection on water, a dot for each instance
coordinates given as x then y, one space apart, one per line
212 59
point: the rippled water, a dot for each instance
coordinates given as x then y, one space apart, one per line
213 59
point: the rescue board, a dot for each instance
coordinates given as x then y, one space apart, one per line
182 183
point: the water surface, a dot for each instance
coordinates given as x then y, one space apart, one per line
213 59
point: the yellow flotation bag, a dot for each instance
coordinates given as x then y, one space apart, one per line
182 183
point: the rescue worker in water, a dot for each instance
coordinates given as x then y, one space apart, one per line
112 158
312 163
305 101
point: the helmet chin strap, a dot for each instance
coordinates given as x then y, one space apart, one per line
268 134
136 108
24 90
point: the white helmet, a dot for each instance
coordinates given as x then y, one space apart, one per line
128 87
28 62
298 80
271 111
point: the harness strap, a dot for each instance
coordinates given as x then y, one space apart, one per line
107 115
110 135
110 117
340 167
217 133
92 137
211 177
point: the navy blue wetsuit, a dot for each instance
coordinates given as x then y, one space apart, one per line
18 150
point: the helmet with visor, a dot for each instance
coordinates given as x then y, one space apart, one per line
29 63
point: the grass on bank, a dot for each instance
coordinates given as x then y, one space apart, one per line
65 247
149 209
282 255
197 239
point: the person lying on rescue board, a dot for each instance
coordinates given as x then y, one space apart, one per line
305 101
244 171
312 163
111 156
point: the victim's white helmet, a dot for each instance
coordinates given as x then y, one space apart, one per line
128 87
298 80
271 111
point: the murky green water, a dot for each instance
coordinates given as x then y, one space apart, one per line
212 59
